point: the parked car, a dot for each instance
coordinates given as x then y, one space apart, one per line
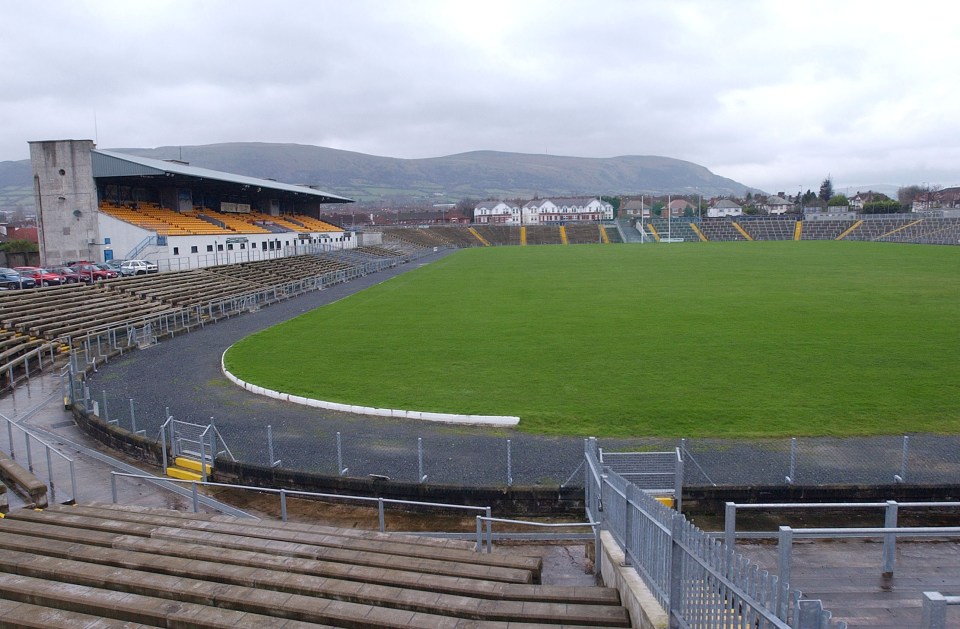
137 267
89 272
115 264
67 275
110 272
11 279
43 277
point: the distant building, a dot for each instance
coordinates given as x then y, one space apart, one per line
99 205
723 208
858 200
496 213
776 205
679 207
544 212
635 207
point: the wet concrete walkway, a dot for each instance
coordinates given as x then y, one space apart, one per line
846 576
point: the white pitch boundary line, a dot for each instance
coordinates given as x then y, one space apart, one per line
449 418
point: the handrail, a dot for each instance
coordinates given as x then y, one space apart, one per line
892 506
283 493
11 424
934 615
24 359
596 526
889 534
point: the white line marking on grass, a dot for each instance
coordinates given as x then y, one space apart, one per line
449 418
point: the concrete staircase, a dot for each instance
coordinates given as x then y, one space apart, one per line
185 468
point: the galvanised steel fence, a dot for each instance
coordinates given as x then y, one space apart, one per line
42 459
698 580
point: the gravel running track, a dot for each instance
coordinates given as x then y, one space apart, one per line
184 375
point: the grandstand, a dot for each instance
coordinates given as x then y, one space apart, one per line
824 230
36 326
98 205
768 228
499 234
898 228
721 229
882 228
542 234
168 568
578 234
673 228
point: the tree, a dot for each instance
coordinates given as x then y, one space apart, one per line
19 246
826 190
838 200
882 207
809 198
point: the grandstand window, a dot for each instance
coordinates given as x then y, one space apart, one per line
176 251
230 247
209 248
243 245
193 249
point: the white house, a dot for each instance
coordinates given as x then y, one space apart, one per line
555 211
724 207
496 213
537 211
776 205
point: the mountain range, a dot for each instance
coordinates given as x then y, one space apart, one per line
376 180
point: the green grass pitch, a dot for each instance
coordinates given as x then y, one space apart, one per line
711 339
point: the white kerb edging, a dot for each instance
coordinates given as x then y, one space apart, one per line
449 418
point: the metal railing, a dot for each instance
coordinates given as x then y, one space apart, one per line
888 532
19 368
51 454
698 580
283 494
891 508
595 526
653 472
787 534
934 614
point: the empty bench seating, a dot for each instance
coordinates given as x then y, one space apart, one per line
163 567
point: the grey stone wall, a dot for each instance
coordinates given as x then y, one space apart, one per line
66 200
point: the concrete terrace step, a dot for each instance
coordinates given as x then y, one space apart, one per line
276 573
57 541
402 550
53 598
144 574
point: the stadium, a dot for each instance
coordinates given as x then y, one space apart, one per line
139 352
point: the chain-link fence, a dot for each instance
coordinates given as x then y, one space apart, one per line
446 455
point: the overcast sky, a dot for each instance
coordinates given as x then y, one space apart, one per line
776 95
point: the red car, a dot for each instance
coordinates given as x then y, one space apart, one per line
41 276
110 273
67 275
90 273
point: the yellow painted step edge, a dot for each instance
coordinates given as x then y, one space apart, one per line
176 472
190 464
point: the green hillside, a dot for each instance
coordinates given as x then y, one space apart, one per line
478 174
